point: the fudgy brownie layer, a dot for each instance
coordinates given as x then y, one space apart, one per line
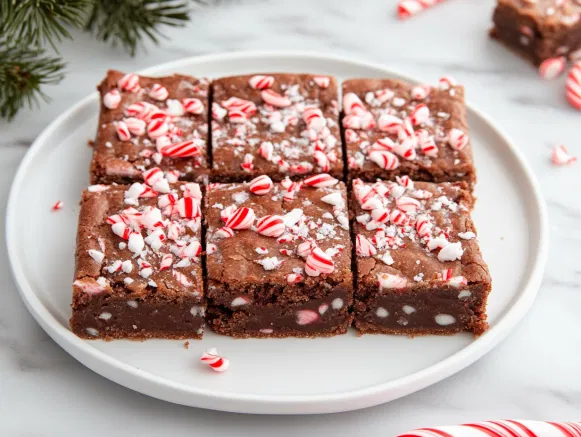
115 317
276 141
323 317
274 253
417 251
390 99
137 263
538 31
123 161
423 311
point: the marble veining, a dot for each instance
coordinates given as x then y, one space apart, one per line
533 374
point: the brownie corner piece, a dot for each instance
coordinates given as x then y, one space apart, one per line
277 125
419 268
138 272
538 30
279 258
393 128
148 122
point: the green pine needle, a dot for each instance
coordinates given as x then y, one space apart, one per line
128 22
36 22
22 72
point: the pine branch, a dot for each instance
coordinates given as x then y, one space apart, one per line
36 22
22 72
128 22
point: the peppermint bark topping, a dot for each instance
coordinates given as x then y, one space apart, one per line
401 218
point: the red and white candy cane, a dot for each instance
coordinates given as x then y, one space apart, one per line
294 278
266 150
247 162
135 125
389 123
352 104
237 116
446 82
129 82
193 106
501 428
409 8
270 226
58 205
141 110
407 204
218 113
424 225
122 131
241 218
318 262
157 127
322 81
560 156
215 361
247 107
122 230
153 175
224 232
364 247
188 207
420 114
420 92
166 262
457 139
380 215
183 149
314 118
321 160
384 159
383 144
259 82
552 68
158 92
261 185
573 86
275 99
320 181
112 99
398 217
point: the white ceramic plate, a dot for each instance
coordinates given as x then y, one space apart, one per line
275 375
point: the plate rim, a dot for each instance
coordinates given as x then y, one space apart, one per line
156 386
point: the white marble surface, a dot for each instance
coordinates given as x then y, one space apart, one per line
533 374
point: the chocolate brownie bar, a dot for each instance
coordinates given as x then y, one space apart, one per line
138 272
539 29
150 122
419 268
278 258
394 129
276 125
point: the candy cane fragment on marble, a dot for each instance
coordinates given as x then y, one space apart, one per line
151 122
291 129
148 243
409 8
288 241
501 428
416 242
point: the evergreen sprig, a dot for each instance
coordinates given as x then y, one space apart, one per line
27 26
22 73
127 22
37 22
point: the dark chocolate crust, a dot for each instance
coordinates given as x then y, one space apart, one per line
129 304
232 142
247 294
447 111
122 162
538 31
422 302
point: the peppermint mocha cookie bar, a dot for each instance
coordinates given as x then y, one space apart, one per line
148 122
276 125
419 267
279 258
393 128
138 272
539 29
